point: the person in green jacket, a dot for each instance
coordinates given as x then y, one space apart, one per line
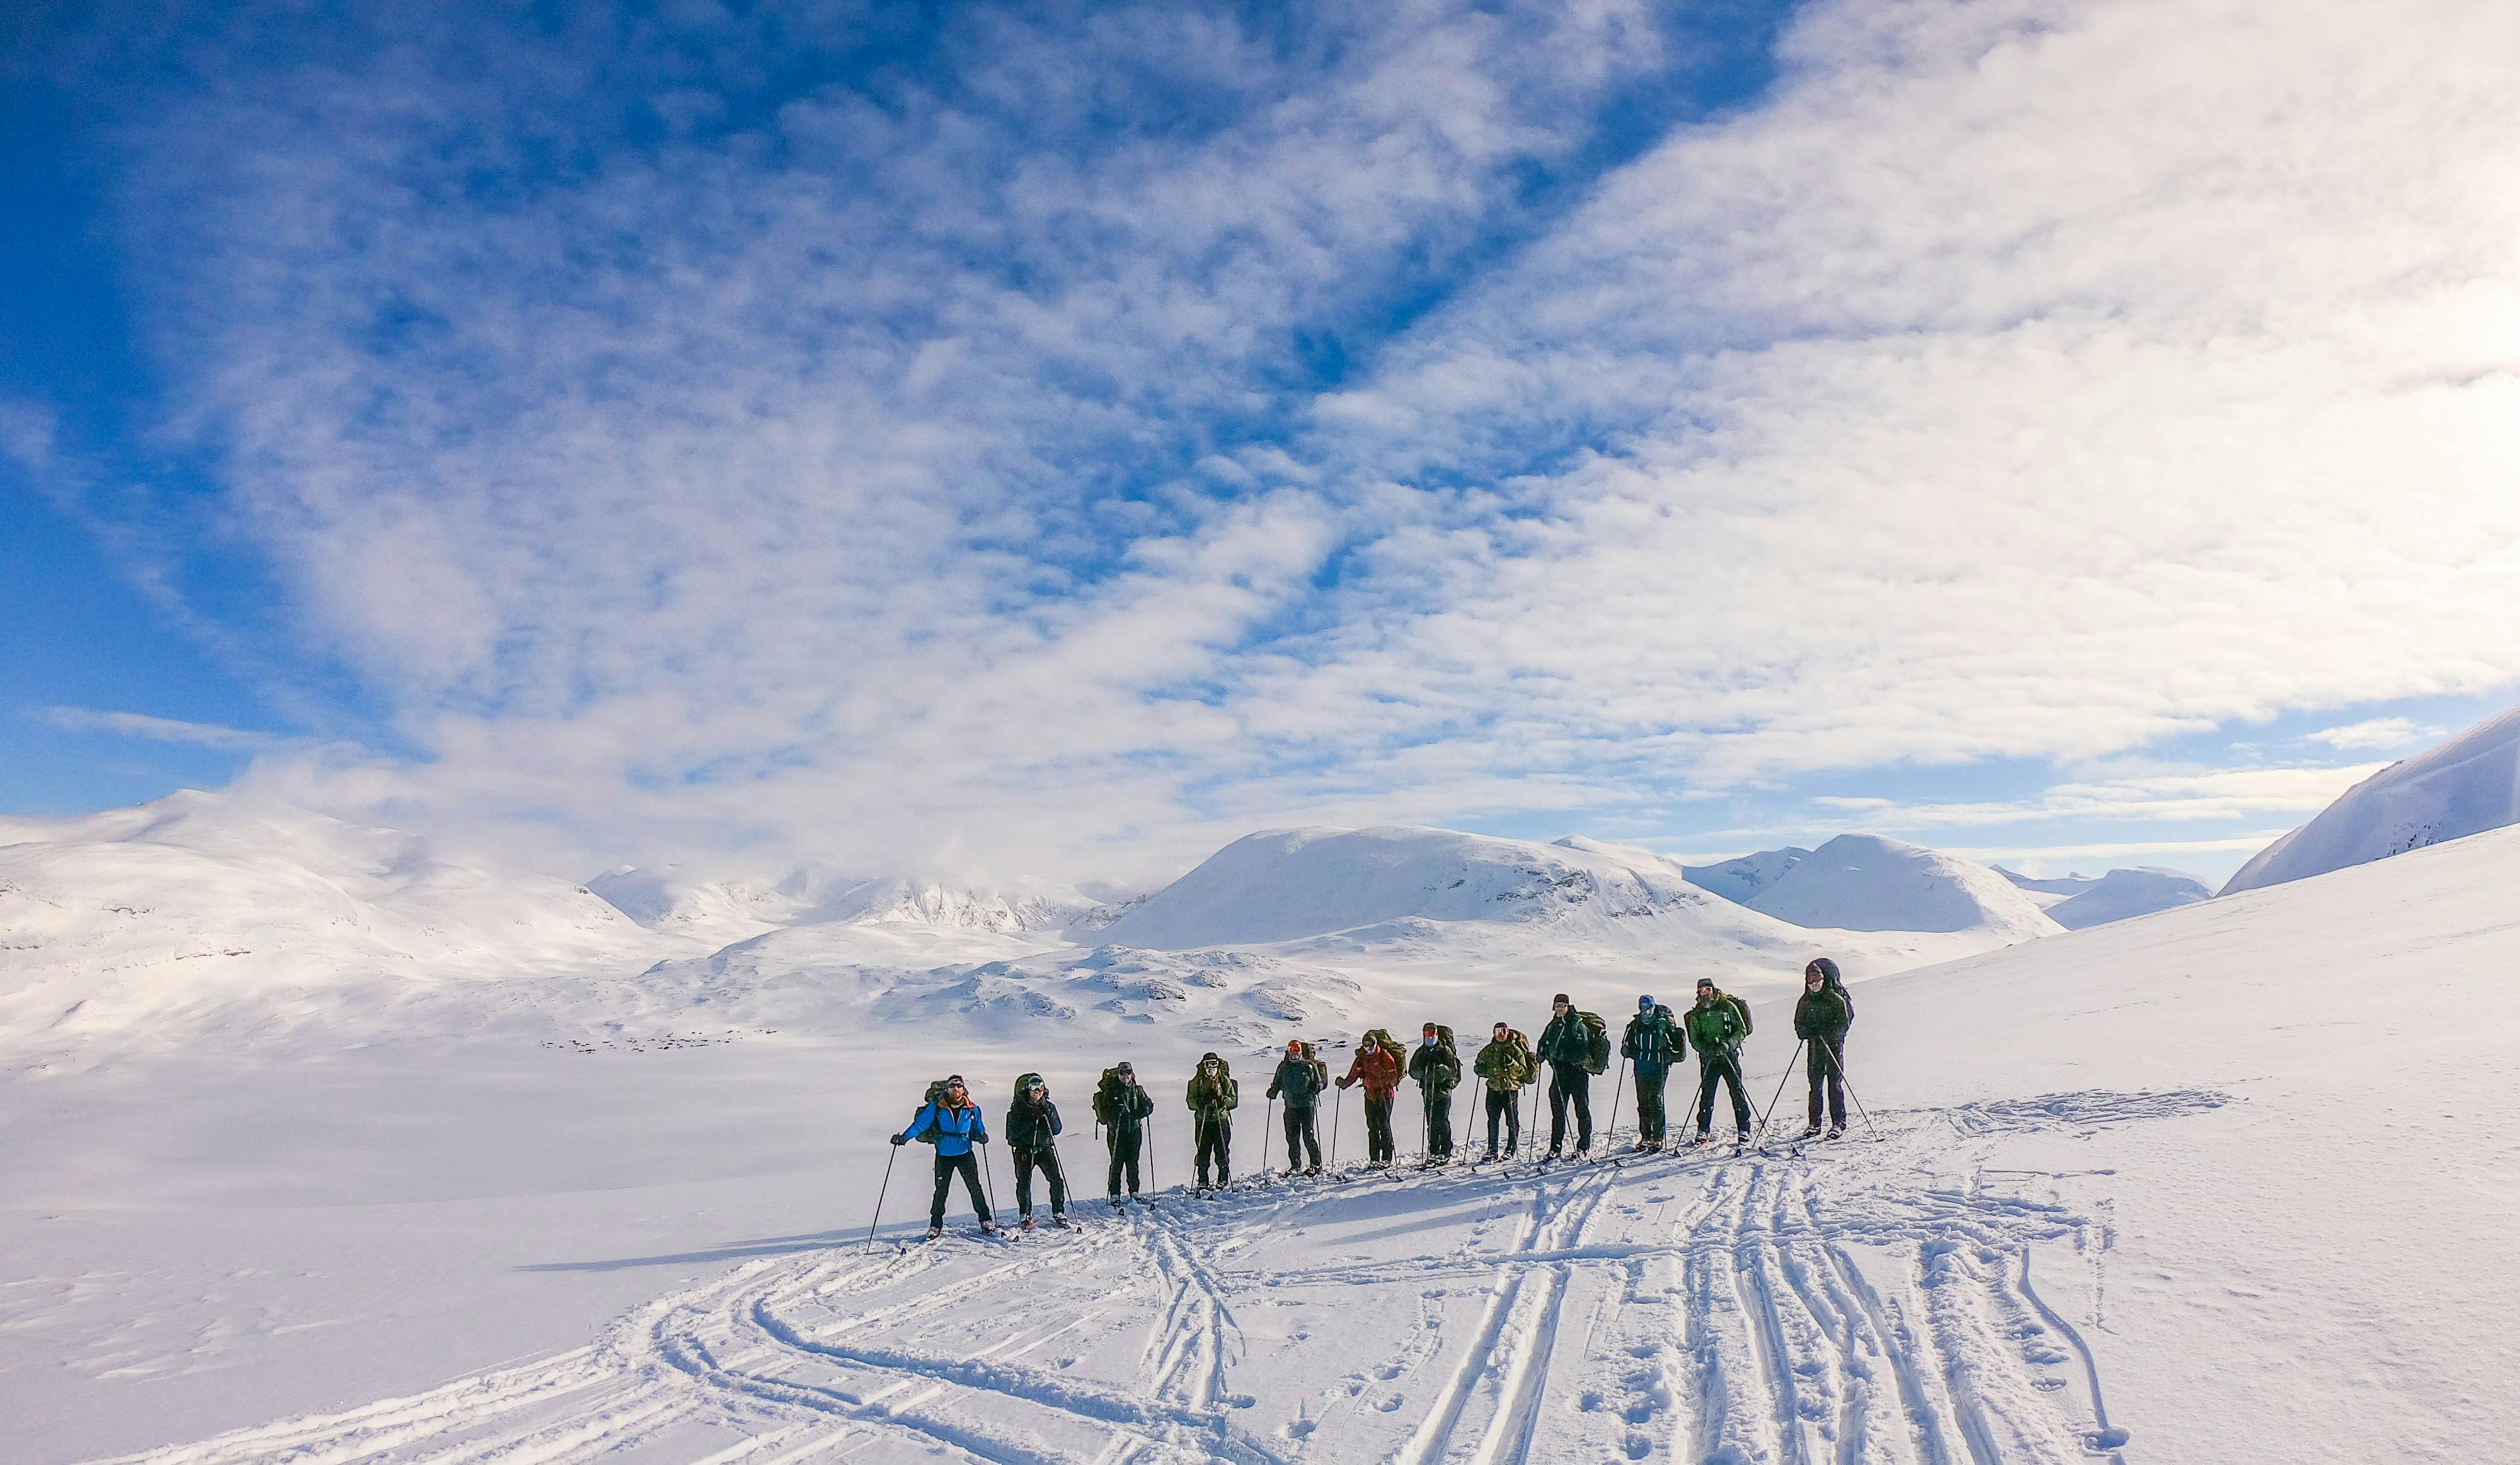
1212 1098
1822 1016
1654 1042
1563 1046
1507 1063
1437 1068
1715 1026
1298 1085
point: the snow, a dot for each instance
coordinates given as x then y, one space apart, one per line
1869 882
2234 1175
1741 879
2077 900
2465 787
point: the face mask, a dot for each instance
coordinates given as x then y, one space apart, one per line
1426 1042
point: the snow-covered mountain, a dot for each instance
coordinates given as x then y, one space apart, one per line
1867 882
2076 901
668 899
2465 787
721 911
199 900
1742 880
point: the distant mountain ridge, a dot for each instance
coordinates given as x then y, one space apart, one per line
2118 895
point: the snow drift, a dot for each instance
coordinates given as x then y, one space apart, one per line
2465 787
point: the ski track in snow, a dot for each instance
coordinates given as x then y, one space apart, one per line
1855 1303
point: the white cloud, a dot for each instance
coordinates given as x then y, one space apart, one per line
159 729
2376 734
912 474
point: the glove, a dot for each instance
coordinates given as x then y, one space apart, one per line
1344 1083
900 1139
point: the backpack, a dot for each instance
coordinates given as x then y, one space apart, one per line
935 1100
1229 1095
1320 1071
1526 1063
1741 1009
1596 1042
1106 1096
1382 1037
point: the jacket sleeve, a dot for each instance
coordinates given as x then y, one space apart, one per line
918 1121
1055 1127
1628 1040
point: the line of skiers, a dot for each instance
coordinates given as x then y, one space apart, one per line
1574 1045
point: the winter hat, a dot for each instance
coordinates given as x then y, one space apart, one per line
1295 1045
1822 968
1561 999
1502 1029
1124 1069
1429 1028
1644 1003
955 1080
1706 984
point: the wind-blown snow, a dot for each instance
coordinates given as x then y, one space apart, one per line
1866 882
2468 784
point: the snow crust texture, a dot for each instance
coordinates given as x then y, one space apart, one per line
2465 787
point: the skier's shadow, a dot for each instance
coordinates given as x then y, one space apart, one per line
736 1250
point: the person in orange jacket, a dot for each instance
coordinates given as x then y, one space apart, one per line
1379 1063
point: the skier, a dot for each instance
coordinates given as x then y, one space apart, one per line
1507 1063
950 1122
1716 1027
1032 1136
1212 1096
1376 1066
1652 1043
1437 1068
1566 1045
1123 1107
1822 1017
1298 1082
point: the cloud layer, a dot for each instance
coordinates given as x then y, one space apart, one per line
1048 444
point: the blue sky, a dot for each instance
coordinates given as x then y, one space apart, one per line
1017 440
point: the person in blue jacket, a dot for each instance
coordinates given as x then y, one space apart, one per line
953 1124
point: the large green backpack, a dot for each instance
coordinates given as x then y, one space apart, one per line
935 1098
1106 1096
1741 1009
1596 1042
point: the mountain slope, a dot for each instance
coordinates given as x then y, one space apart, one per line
1742 880
2124 894
1866 882
2465 787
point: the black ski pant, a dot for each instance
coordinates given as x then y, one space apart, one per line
1827 1066
1650 1077
1726 1067
1504 1104
1569 1084
1439 1121
1050 1170
1125 1148
1378 1127
1301 1134
1216 1147
967 1165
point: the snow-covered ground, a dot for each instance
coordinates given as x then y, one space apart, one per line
2464 786
2239 1172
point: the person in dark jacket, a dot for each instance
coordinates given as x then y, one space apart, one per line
1716 1028
1032 1137
1377 1065
1437 1068
956 1125
1297 1085
1653 1043
1563 1046
1124 1114
1822 1017
1212 1096
1507 1064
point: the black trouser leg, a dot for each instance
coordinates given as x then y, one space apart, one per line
1216 1148
1650 1078
1439 1122
1378 1148
1023 1180
1504 1109
1826 1067
1711 1068
1569 1086
1124 1158
1303 1137
1048 1160
947 1165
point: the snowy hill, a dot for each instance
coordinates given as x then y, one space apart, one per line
715 913
198 900
1743 878
2076 901
1866 882
2468 784
726 910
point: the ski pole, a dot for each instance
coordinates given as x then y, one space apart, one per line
1836 1068
1268 1108
1778 1096
878 1195
1610 1139
988 1179
1338 1110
